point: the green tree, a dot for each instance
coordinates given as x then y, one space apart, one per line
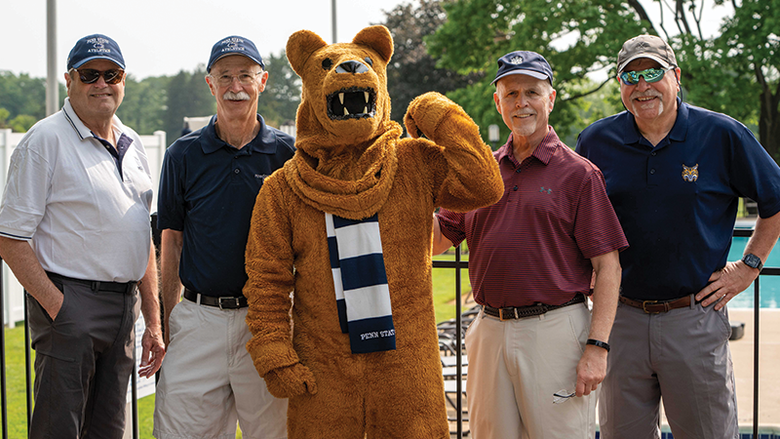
751 43
279 102
412 71
187 95
143 107
22 95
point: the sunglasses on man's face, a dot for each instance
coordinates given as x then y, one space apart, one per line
111 76
650 75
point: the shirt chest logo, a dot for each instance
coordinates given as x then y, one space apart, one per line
690 174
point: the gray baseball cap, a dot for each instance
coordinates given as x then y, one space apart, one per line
646 46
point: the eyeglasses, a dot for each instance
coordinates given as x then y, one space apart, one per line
562 396
111 76
244 79
650 75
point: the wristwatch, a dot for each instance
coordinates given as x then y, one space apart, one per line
753 261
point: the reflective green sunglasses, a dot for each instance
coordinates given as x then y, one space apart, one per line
650 75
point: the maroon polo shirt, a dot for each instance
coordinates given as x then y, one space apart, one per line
535 244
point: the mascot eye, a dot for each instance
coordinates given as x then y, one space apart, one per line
327 63
368 61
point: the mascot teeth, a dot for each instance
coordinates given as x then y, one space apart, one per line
352 103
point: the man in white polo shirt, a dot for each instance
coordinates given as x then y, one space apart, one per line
75 230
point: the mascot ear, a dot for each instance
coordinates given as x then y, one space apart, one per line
300 46
377 38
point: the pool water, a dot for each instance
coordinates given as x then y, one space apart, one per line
769 290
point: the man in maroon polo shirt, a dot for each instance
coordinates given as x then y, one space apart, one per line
536 353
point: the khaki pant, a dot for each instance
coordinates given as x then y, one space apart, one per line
515 366
208 380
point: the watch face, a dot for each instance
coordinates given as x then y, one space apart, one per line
751 260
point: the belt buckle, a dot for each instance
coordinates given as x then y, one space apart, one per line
651 302
512 315
234 299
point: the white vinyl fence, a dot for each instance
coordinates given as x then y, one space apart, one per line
13 293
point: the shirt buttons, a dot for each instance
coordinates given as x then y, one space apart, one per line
652 171
514 188
653 153
236 171
517 170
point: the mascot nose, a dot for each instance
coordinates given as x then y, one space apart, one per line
353 67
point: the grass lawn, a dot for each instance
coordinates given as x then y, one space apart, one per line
443 302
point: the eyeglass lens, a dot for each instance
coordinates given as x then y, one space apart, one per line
111 76
650 75
244 78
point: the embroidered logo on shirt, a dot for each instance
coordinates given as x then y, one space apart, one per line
548 190
261 176
690 174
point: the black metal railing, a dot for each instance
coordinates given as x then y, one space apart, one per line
458 265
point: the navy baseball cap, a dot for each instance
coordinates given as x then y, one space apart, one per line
521 62
96 46
234 46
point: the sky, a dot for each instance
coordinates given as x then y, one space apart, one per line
162 37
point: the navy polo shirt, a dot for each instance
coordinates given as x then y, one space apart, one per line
677 201
207 191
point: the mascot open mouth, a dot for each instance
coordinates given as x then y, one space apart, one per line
352 103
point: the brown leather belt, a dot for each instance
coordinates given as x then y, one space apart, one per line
519 312
657 306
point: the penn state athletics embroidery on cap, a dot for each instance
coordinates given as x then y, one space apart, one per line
232 44
690 174
517 59
98 45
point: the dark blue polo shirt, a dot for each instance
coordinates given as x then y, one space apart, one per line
207 191
678 202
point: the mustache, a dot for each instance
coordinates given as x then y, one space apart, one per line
240 96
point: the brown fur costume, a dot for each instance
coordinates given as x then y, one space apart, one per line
355 166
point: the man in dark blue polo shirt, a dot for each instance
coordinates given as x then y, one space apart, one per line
674 174
210 179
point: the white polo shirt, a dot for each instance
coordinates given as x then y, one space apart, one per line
65 194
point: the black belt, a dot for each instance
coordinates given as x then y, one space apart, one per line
97 285
657 306
219 302
519 312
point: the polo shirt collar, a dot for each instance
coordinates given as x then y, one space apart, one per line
78 126
264 142
631 134
543 152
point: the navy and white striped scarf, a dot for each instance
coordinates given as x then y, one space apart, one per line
360 280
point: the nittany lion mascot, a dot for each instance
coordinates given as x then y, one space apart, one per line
339 252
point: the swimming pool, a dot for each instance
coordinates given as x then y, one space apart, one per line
769 285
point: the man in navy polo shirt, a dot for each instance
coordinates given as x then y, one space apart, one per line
674 174
210 179
536 354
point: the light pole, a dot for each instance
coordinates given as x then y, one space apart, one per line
333 21
493 135
52 86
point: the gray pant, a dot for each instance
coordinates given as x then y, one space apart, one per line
83 362
681 356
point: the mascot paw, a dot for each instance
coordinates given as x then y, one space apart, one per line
425 113
286 382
